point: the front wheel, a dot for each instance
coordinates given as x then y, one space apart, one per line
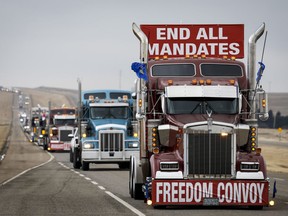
71 155
85 166
76 159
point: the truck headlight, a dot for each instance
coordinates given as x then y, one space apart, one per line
88 146
133 145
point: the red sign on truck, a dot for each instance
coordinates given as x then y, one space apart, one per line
182 40
207 192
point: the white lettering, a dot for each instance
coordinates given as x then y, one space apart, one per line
165 50
197 192
201 34
184 34
223 49
221 36
229 192
211 36
178 49
190 49
260 188
219 192
172 33
181 192
160 34
202 49
234 49
245 192
154 49
253 193
189 192
207 189
237 193
174 192
166 192
159 191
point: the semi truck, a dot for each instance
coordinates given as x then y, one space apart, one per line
197 112
38 123
62 122
106 129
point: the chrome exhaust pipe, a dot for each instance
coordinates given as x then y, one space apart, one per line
251 67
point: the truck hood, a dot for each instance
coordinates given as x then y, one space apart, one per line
181 120
110 123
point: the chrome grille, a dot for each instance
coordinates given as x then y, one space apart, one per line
209 154
63 134
111 141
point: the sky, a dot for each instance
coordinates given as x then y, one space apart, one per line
53 43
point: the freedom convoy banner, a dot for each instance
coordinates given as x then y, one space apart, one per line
208 192
181 40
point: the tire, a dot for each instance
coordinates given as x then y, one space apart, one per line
85 166
71 156
135 189
76 161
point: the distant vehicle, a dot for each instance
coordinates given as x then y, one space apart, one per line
62 122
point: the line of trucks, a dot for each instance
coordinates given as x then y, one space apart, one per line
188 130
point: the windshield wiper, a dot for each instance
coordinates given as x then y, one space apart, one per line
199 104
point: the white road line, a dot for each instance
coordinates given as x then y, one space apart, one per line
136 211
101 187
25 171
89 179
279 179
81 175
93 182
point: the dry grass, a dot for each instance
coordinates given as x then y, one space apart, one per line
5 115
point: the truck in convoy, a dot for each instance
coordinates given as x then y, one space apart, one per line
106 130
197 117
38 122
62 122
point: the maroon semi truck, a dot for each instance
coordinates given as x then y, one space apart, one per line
197 112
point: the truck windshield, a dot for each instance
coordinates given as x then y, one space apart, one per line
109 112
202 105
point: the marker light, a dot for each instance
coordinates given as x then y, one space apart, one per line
232 82
149 202
194 82
140 103
271 203
135 134
233 58
195 56
157 58
203 56
187 56
263 103
165 57
170 82
208 82
201 82
155 150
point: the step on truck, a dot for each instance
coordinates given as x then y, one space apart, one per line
197 113
108 132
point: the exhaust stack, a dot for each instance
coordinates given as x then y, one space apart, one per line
252 67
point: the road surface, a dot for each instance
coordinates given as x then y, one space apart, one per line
34 182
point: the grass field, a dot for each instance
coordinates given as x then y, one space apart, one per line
6 99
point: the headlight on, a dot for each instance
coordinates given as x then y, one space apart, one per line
133 145
88 146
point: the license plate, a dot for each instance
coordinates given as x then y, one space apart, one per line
211 202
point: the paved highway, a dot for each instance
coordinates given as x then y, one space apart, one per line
34 182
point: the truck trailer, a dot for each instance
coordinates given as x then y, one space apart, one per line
197 113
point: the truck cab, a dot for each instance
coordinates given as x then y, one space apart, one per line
108 129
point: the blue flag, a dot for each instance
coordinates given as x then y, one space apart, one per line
260 71
140 70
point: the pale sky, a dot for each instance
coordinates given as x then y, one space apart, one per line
54 42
